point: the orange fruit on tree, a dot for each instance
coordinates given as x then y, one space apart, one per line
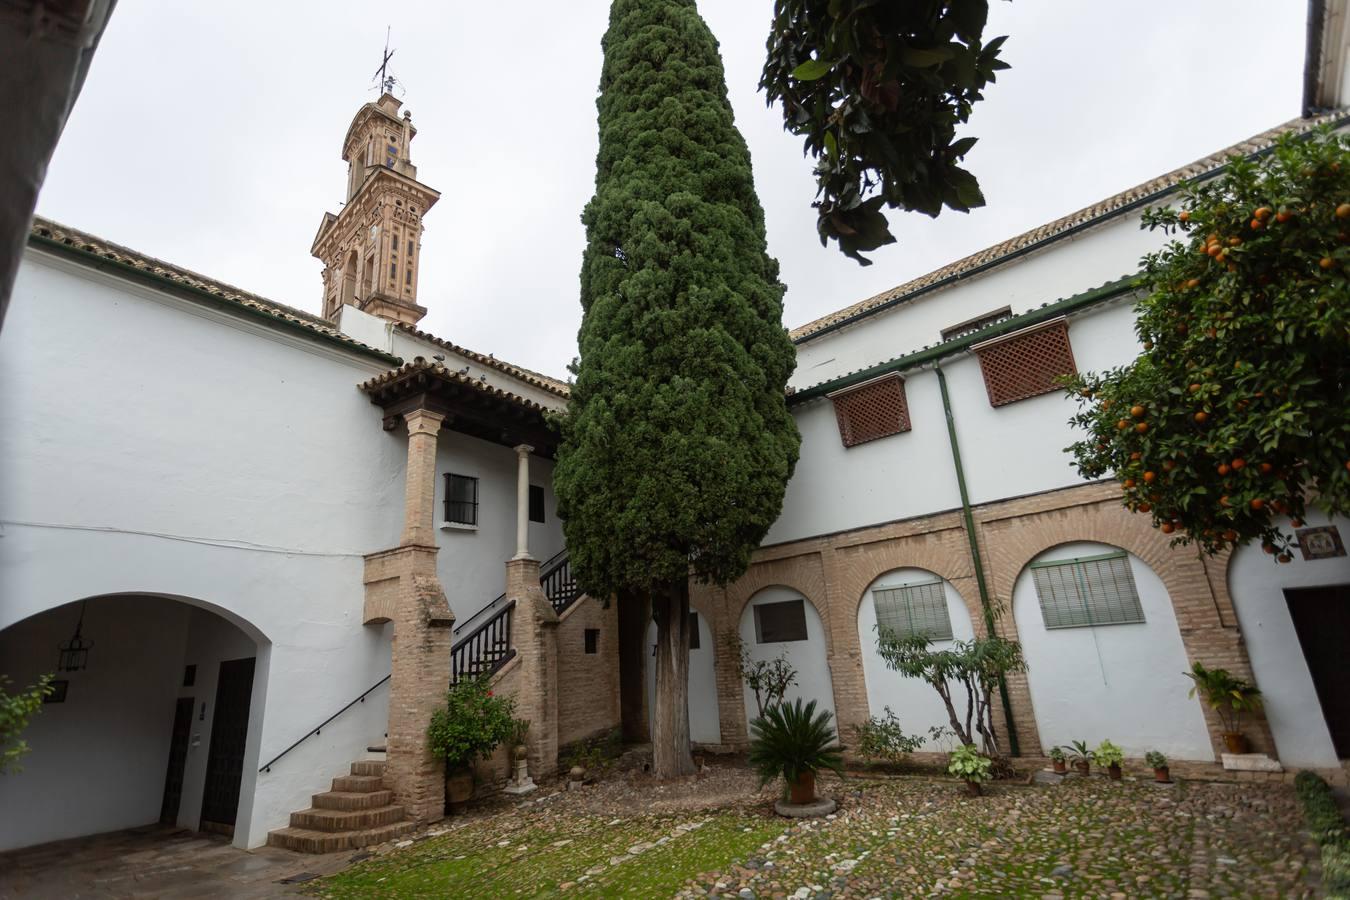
1342 211
1150 477
1230 535
1283 216
1137 411
1144 507
1128 483
1239 464
1223 469
1167 528
1267 468
1122 424
1326 262
1202 417
1235 242
1262 213
1186 216
1193 388
1193 283
1136 456
1255 224
1258 504
1141 427
1168 465
1223 501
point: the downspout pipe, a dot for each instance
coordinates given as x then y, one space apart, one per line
980 580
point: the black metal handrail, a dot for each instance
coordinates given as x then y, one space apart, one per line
314 731
485 649
545 569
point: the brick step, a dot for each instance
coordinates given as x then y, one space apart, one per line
306 840
316 819
351 799
368 767
360 784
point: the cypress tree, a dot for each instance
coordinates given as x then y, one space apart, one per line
678 445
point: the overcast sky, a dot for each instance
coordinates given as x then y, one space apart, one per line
209 134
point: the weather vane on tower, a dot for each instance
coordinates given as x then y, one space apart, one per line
385 82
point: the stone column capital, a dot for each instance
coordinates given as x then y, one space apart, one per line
423 421
523 450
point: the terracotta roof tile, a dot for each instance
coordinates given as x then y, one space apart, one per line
538 379
420 364
1081 217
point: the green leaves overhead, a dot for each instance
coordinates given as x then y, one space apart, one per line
678 445
877 90
1236 417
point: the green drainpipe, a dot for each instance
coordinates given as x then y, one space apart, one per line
975 552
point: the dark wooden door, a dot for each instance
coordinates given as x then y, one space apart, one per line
178 746
229 731
1322 620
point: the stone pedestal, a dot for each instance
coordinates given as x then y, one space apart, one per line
521 782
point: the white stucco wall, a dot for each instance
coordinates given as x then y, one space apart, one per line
704 726
1256 583
153 445
97 760
1125 683
915 703
808 657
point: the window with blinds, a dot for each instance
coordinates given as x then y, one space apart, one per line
914 609
1089 590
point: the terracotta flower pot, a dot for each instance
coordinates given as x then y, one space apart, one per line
1236 742
1060 766
1113 770
1161 775
803 789
973 788
1083 766
459 786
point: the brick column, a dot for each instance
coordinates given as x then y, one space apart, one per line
402 585
534 636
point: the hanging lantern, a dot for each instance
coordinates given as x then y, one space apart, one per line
75 652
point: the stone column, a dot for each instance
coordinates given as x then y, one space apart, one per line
534 635
402 585
523 452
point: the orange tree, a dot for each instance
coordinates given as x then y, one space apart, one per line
1236 413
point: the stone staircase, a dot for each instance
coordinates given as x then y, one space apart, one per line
357 812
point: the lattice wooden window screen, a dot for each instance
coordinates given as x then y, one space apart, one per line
914 609
873 410
1090 590
1026 365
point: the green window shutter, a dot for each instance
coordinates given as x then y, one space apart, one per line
914 609
1091 590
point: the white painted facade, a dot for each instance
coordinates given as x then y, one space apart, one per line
158 445
704 727
1256 583
809 657
915 702
1125 683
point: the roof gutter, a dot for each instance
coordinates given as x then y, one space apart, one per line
153 279
1312 56
927 355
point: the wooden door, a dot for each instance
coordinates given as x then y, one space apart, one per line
229 732
1322 620
178 746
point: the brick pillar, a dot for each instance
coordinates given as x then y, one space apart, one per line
534 636
404 580
844 649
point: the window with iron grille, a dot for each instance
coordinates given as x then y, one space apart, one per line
592 640
1027 363
777 623
914 609
536 503
970 326
461 499
693 631
1088 590
874 409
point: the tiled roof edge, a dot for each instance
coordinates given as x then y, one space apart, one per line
529 376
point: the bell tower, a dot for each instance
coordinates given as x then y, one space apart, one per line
371 249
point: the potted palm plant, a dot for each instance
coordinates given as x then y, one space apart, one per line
1159 764
972 766
1228 696
1109 755
794 742
1058 760
1082 757
469 727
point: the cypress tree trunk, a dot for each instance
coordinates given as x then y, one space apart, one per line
677 445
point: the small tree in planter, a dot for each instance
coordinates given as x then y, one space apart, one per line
1082 757
1109 755
472 724
795 742
1057 759
1230 697
1158 763
971 765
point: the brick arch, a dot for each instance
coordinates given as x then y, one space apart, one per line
802 574
959 574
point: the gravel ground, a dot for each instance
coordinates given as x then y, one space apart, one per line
896 837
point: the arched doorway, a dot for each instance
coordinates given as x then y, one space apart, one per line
704 724
160 725
910 601
781 621
1104 654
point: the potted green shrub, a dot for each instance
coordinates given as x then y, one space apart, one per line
1058 759
1158 762
794 742
972 766
469 727
1109 755
1082 757
1228 696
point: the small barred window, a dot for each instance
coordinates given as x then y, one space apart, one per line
1089 590
1027 363
914 609
874 409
